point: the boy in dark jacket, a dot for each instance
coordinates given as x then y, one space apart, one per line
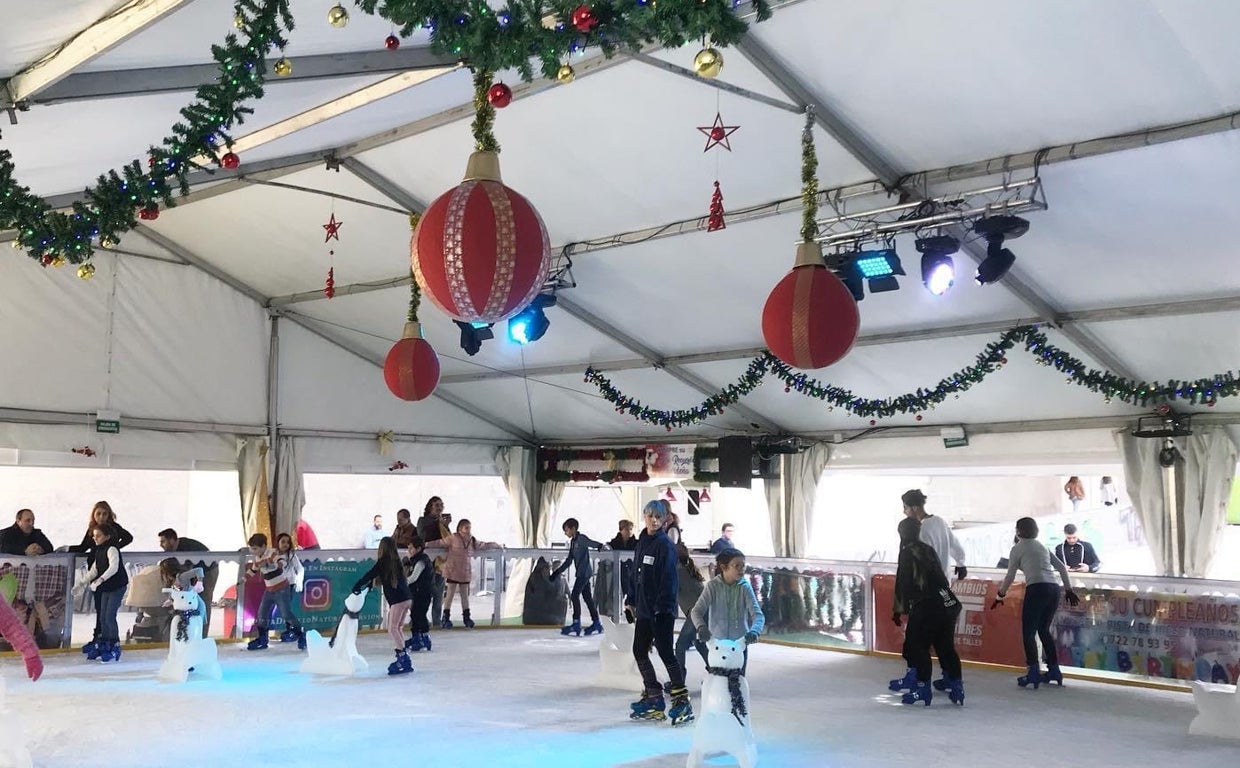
579 546
422 587
651 595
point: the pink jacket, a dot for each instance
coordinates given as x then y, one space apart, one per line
459 565
19 637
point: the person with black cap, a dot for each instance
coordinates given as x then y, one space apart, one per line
1076 554
922 592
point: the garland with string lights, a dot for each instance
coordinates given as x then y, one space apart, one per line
1202 391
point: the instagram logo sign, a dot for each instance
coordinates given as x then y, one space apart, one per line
316 594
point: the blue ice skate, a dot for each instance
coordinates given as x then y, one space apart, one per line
572 629
595 628
402 665
466 620
955 691
682 710
1032 677
648 707
288 635
1052 674
414 644
921 692
906 683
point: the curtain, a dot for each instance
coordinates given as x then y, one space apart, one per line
291 488
1209 466
252 478
550 495
518 466
774 491
1143 480
802 472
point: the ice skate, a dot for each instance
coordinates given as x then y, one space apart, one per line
594 628
648 707
1052 674
1032 677
682 710
955 691
446 621
414 644
109 651
942 684
906 683
91 649
260 641
426 641
288 635
466 620
301 639
921 692
572 629
402 665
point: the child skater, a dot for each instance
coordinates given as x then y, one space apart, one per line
651 596
296 577
13 629
108 579
923 593
687 594
728 608
422 587
1034 560
458 570
273 566
390 574
578 556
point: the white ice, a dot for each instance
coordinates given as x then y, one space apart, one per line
525 698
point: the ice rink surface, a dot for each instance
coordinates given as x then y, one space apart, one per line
525 698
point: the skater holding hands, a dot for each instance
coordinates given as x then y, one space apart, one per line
579 546
390 574
458 569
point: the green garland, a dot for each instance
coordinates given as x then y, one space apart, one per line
1202 391
486 40
508 38
207 122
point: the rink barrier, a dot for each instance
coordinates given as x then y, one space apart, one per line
818 604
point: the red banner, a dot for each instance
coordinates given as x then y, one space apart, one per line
981 634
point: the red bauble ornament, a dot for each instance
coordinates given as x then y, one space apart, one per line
411 369
45 259
499 95
810 319
873 422
392 42
583 18
919 417
481 252
149 213
230 161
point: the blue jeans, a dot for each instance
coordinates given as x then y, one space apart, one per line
1036 615
109 603
688 637
282 600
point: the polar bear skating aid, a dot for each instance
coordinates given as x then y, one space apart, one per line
617 667
188 650
339 655
723 719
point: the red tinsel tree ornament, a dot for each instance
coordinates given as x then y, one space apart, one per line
499 95
329 288
481 252
583 19
716 222
411 369
810 319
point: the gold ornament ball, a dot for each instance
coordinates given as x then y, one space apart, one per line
107 243
338 17
239 21
565 74
58 261
283 67
708 63
86 271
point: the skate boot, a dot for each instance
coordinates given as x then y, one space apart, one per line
681 711
402 665
446 621
1032 677
301 639
259 643
908 682
942 684
649 707
955 691
1052 674
572 629
920 692
288 635
426 641
468 622
414 644
91 649
594 628
109 650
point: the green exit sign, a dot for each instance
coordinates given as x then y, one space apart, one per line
108 422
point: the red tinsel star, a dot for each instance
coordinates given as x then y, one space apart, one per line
333 228
717 134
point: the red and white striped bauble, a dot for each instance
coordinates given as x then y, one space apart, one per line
480 251
810 319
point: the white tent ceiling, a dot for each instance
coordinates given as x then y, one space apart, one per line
618 150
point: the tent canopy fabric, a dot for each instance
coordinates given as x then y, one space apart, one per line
176 324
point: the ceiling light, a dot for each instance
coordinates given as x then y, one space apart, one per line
473 334
938 269
531 323
998 259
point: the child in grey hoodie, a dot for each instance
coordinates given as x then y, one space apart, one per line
728 608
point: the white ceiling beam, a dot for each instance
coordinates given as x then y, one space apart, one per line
91 42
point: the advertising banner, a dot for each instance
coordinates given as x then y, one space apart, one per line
320 603
669 461
981 634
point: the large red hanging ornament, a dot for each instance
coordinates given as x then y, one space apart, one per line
481 252
411 368
810 319
583 18
499 95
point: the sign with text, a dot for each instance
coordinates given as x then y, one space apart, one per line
669 461
320 603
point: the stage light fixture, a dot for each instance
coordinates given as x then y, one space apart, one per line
876 264
531 323
473 334
938 269
998 259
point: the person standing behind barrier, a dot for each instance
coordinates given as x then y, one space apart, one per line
624 538
102 513
689 589
1041 601
433 526
1076 554
936 532
305 535
578 556
923 593
1076 492
169 541
724 541
404 531
22 539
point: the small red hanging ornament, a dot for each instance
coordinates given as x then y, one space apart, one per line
411 368
398 465
329 289
810 319
392 42
499 95
86 451
149 213
716 222
46 259
583 18
230 161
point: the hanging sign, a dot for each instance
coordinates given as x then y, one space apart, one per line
669 461
108 422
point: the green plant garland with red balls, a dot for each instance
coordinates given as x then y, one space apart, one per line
485 40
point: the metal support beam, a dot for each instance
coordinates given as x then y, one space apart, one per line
273 408
91 42
453 400
29 416
139 82
758 421
385 186
399 437
715 83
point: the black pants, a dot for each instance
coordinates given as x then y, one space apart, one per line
1036 615
659 633
930 624
417 614
581 589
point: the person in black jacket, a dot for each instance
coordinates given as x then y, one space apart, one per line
651 595
22 538
433 526
390 574
422 587
923 592
1076 554
170 541
579 546
102 513
108 579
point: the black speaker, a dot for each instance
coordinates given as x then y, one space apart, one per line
735 467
